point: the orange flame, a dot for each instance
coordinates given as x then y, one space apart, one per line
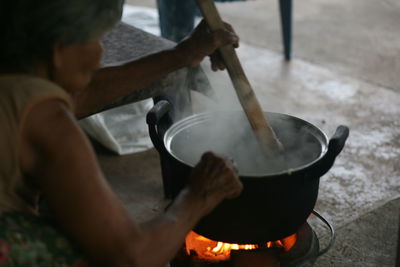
210 250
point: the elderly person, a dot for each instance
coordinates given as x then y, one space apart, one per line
49 53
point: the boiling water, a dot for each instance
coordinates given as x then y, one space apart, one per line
232 137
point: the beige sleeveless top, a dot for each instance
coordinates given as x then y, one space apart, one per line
18 94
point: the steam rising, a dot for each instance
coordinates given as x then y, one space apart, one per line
230 134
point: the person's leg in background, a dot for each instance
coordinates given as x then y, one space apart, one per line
176 18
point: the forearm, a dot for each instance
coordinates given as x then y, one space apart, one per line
90 213
165 234
111 83
212 180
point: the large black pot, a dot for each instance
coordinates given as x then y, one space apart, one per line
275 202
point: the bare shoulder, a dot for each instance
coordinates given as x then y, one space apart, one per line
49 131
49 116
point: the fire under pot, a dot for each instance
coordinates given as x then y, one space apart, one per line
279 194
297 250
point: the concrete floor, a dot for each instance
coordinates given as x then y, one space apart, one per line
366 241
346 61
359 38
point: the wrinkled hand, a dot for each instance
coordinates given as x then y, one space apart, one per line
203 42
213 179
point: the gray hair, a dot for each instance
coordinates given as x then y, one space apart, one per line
32 28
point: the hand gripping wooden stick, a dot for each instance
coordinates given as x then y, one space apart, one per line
258 121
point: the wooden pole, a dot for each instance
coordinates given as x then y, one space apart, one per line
258 121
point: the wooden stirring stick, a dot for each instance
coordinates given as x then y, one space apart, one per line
258 121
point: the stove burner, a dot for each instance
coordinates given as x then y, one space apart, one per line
303 254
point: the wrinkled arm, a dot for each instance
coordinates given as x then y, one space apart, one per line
111 83
59 158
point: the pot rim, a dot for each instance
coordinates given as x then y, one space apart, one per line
195 119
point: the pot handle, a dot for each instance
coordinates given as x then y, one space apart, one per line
154 120
335 146
338 140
